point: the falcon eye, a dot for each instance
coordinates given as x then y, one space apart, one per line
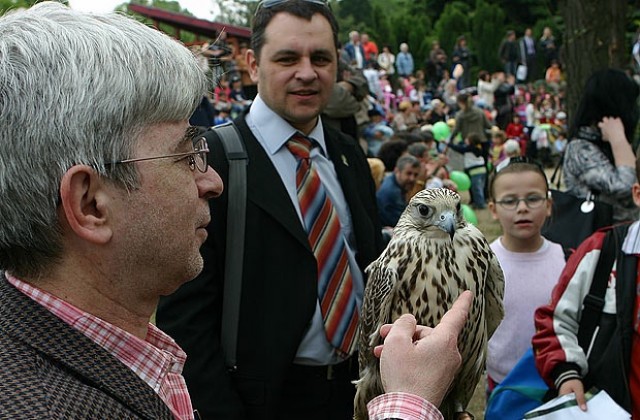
423 209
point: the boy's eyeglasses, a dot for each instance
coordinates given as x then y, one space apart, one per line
532 202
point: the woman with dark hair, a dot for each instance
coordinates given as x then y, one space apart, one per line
599 157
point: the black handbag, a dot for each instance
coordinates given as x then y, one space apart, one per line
574 219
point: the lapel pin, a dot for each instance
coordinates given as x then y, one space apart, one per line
344 160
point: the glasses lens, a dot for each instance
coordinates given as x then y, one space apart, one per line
534 202
201 158
509 203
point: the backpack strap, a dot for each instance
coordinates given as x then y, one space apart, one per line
594 301
236 221
557 173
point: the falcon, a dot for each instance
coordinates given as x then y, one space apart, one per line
433 256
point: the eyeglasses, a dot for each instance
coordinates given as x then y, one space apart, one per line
266 4
532 202
197 158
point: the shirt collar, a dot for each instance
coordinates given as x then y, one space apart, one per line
151 359
631 245
275 130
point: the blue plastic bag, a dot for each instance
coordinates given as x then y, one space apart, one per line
522 390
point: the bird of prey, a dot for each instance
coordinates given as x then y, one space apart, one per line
433 256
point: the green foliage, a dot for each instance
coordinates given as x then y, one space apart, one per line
453 22
487 33
6 5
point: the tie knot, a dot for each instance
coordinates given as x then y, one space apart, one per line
300 146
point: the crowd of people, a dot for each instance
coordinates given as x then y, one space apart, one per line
389 101
125 209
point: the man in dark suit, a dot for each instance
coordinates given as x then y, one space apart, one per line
287 365
104 208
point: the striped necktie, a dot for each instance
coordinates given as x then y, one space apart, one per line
335 284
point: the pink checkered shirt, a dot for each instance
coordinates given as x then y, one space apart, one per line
157 360
403 406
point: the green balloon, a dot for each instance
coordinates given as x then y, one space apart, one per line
441 131
469 215
461 179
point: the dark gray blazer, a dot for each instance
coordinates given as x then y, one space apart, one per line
51 371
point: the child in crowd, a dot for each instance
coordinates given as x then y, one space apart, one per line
515 130
511 150
561 142
497 153
475 152
520 201
221 95
223 116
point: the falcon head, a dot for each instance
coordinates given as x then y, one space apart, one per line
436 211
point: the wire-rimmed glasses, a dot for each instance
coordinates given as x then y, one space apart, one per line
197 158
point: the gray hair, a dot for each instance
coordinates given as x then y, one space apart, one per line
76 88
407 160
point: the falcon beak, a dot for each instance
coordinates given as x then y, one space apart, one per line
447 222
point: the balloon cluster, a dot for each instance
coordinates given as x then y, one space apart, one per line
463 182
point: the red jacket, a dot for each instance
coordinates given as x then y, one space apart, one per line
559 357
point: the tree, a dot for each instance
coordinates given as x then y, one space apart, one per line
453 22
594 38
487 27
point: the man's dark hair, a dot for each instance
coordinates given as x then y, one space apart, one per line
417 149
475 139
300 8
390 151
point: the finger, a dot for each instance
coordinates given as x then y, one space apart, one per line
456 317
404 327
581 400
377 350
384 330
421 332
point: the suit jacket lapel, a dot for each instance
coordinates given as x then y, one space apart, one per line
265 188
341 150
33 324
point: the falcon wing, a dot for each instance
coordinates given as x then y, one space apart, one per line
376 306
494 294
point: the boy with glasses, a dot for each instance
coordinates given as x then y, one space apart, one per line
519 200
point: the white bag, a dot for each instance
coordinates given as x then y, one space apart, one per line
521 72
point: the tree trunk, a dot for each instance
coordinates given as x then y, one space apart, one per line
593 39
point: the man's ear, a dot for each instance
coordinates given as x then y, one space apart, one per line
84 201
252 63
635 193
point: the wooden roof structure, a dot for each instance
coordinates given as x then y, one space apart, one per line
200 27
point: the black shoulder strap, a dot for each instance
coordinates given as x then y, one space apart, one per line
594 301
557 173
236 220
